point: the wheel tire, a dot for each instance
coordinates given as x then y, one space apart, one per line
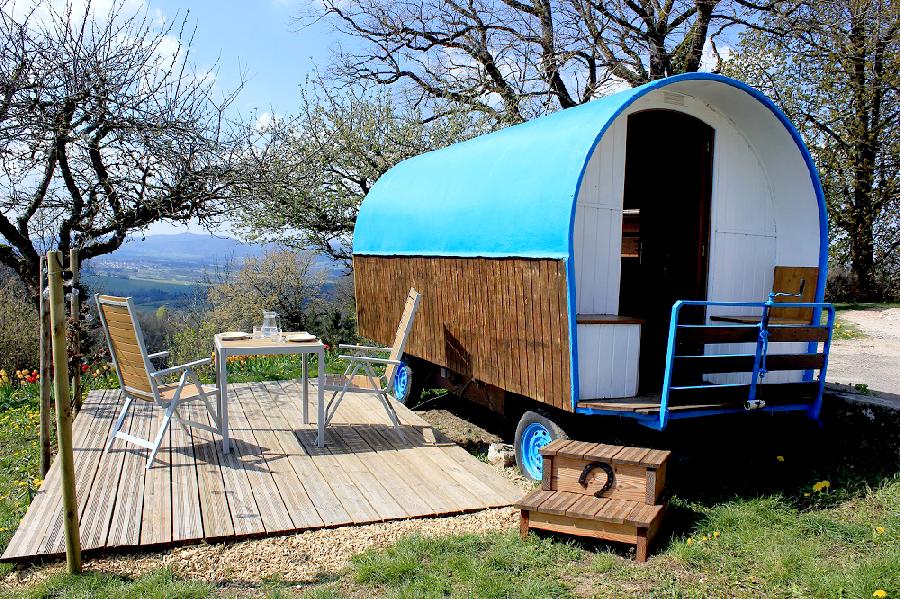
535 429
408 382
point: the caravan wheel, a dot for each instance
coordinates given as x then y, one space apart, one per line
535 430
408 382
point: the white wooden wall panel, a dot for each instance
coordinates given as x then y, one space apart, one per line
764 214
608 360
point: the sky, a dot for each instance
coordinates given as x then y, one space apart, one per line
259 38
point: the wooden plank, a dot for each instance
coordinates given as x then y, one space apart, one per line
559 503
586 507
718 395
156 516
275 514
187 517
606 319
749 333
290 487
86 459
632 456
279 408
656 458
98 509
534 500
46 507
214 501
690 366
125 524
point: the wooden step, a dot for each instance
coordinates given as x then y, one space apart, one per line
638 472
576 505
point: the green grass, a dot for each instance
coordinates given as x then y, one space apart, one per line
161 585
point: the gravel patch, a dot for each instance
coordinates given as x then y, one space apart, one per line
299 558
873 360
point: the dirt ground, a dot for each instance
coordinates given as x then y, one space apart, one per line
872 360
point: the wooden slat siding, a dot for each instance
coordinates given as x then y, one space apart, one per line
508 318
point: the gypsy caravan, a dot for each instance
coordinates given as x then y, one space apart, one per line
655 254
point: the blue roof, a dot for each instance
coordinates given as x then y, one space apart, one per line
508 193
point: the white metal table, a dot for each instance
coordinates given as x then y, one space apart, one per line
257 347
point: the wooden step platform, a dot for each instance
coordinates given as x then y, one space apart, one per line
275 481
601 491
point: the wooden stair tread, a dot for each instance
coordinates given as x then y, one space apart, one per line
576 505
613 454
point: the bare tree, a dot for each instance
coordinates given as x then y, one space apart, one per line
834 66
313 170
104 129
515 59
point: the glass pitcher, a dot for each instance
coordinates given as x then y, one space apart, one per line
271 326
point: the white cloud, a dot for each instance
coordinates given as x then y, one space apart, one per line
264 120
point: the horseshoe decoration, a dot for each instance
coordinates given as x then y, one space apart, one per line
610 476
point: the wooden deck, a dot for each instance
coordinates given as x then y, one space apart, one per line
275 481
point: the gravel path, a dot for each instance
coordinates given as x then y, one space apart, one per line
873 360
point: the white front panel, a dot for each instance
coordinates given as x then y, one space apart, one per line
608 360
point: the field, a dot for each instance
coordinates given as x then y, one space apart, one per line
149 294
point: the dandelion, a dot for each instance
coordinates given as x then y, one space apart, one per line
37 482
690 541
822 485
879 530
780 458
716 534
806 494
880 594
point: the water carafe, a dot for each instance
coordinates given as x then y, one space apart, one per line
271 327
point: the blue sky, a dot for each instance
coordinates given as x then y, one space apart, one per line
261 39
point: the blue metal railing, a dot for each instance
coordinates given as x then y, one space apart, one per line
762 344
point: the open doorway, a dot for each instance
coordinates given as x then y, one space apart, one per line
666 215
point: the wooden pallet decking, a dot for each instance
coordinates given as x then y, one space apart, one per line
275 480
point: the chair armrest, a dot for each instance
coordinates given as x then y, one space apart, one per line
159 354
371 360
363 347
188 366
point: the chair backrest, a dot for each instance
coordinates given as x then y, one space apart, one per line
403 329
126 343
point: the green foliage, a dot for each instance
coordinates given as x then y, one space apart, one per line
19 326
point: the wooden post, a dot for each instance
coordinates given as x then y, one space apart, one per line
63 411
44 359
75 313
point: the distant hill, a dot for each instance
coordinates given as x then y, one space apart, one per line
190 248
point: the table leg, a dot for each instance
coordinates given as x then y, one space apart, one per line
305 358
222 360
320 384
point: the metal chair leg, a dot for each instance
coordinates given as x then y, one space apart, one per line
118 425
162 431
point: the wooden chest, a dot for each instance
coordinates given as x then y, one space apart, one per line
602 491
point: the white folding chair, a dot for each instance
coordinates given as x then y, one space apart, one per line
362 362
139 379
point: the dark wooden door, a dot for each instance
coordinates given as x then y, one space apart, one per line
668 176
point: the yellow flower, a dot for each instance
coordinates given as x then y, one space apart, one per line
879 530
822 485
780 458
880 594
37 483
690 541
806 494
716 534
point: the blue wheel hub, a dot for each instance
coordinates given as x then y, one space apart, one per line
534 437
401 382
